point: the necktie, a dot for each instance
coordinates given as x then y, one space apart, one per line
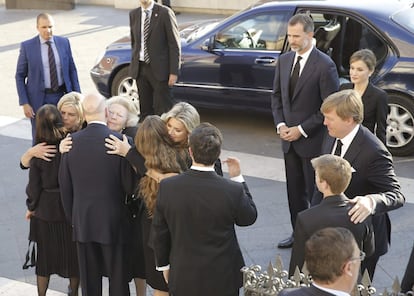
295 76
146 33
338 149
54 83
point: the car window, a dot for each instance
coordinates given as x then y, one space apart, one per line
264 31
340 35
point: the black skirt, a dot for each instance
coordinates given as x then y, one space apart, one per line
56 252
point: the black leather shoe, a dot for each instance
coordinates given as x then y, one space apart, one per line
286 243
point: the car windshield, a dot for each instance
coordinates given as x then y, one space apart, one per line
192 33
405 18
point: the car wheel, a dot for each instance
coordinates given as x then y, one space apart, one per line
124 85
400 125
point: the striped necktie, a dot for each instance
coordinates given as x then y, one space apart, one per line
146 33
54 83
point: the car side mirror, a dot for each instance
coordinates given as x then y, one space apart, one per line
208 44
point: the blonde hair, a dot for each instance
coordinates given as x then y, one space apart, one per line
73 99
185 113
132 116
334 170
347 104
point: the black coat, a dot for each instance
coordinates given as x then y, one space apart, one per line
193 231
93 187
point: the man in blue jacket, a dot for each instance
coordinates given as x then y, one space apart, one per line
45 69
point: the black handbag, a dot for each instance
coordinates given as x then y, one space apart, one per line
135 205
30 255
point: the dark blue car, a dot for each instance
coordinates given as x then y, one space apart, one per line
230 63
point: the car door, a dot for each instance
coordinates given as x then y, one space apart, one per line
234 64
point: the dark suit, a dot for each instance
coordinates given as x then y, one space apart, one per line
375 102
93 187
193 229
373 174
30 74
331 212
304 291
318 79
407 282
164 53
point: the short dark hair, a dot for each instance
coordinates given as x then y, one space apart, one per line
49 125
205 143
305 20
326 252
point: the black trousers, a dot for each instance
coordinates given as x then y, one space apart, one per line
408 278
154 95
300 181
97 260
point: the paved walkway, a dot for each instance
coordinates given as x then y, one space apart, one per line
90 28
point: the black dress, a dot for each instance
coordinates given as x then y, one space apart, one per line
56 252
135 249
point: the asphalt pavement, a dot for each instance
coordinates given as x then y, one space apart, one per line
89 29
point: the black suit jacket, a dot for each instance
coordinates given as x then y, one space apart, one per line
373 174
193 229
163 42
304 291
319 78
331 212
43 193
93 187
375 102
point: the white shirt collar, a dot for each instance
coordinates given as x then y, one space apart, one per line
347 140
304 56
331 291
97 121
44 40
203 168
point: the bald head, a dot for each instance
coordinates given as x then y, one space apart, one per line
94 107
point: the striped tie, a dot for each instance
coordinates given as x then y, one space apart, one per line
54 83
146 33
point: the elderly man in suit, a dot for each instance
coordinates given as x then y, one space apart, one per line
304 77
155 59
93 187
332 176
45 69
195 241
374 188
333 260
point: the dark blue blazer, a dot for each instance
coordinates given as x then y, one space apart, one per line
93 187
304 291
319 78
29 73
331 212
193 231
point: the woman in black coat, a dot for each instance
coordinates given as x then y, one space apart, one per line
56 252
362 65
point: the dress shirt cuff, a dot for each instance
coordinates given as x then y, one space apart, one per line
278 127
373 203
302 131
163 268
238 178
